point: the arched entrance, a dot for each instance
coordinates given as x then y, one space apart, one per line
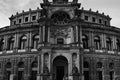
60 67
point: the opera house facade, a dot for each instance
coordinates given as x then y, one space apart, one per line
60 41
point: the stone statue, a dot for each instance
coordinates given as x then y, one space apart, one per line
45 1
75 1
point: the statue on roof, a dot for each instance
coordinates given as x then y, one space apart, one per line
45 1
75 1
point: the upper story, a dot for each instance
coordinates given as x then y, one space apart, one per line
55 8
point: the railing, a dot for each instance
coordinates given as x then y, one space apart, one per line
59 45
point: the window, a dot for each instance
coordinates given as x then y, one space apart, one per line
33 18
85 41
111 73
23 42
99 75
11 43
100 21
86 75
8 71
86 18
93 19
86 64
118 45
97 42
2 44
60 41
99 65
105 22
35 41
26 19
108 44
20 20
14 22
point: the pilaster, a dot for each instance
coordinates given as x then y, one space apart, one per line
106 70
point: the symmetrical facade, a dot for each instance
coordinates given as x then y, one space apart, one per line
60 41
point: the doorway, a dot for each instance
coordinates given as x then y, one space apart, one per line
60 67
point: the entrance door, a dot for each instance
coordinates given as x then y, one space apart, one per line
60 67
60 72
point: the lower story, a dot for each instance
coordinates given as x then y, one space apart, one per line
59 65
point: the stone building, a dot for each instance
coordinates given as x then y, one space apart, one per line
60 40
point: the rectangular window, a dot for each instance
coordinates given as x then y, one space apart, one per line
33 18
99 73
100 21
86 75
20 20
93 19
26 19
105 22
14 22
86 18
111 75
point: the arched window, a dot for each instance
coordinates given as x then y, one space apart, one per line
86 70
111 73
108 44
34 70
20 70
34 64
99 71
2 44
11 43
86 64
97 42
85 41
8 70
99 65
35 41
118 44
23 42
60 17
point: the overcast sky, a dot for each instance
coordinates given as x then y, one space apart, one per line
109 7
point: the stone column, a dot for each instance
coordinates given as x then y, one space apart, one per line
28 42
91 41
27 69
3 70
48 34
80 36
103 37
81 66
92 69
16 44
117 70
50 66
106 70
13 75
76 31
39 68
43 31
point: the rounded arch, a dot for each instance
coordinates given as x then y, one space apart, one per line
34 64
8 65
60 17
60 67
99 65
35 40
11 43
2 41
86 64
21 64
23 42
